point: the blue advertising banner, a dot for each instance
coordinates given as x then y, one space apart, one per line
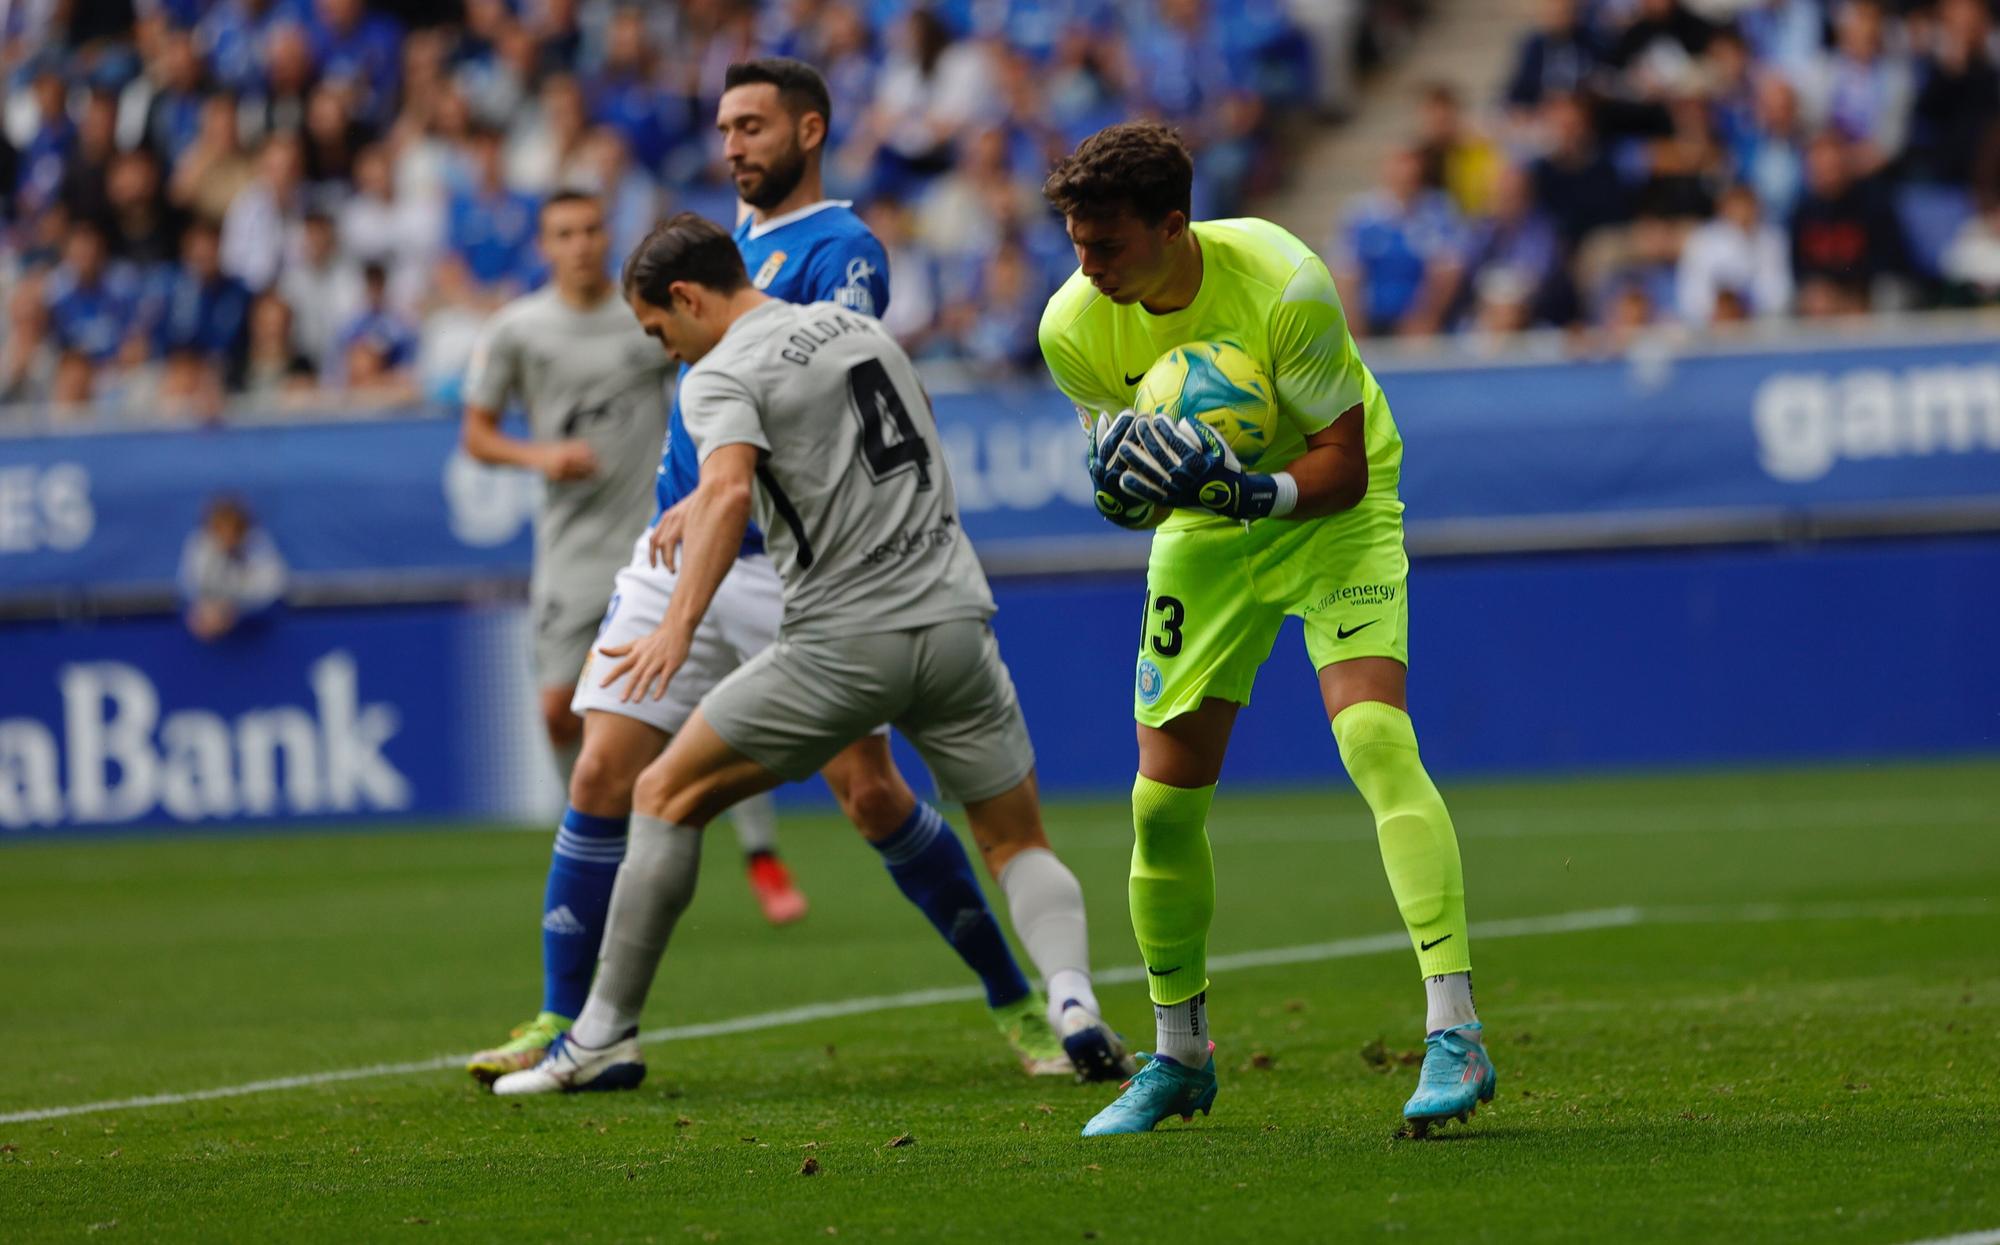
1517 665
311 715
1497 457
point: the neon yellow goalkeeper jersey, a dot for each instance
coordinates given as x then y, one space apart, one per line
1261 288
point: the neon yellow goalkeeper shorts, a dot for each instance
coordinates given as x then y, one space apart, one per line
1216 594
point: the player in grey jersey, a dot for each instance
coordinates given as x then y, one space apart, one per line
814 418
594 391
594 388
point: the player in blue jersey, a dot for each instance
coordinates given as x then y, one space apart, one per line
800 246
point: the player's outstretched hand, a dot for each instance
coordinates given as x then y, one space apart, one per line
1114 501
655 657
569 460
664 547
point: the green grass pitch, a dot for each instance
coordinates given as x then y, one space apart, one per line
1777 1018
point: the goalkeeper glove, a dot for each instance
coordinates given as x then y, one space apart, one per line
1114 502
1186 463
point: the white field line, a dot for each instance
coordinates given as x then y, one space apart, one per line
1989 1237
1340 949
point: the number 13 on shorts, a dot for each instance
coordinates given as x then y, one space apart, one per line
1161 640
1202 637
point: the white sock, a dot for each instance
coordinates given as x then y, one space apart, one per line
756 822
655 885
1450 999
1046 905
1181 1031
1069 988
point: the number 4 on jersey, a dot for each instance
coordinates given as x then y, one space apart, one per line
881 409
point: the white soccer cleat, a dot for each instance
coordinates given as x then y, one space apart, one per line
568 1068
1094 1049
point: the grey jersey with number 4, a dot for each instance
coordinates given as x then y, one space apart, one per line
852 493
593 375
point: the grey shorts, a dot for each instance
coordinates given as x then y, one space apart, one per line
795 705
566 617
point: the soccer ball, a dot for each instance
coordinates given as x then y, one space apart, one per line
1219 384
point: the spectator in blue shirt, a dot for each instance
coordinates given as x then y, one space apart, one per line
1186 71
200 326
994 320
231 35
1191 82
492 227
625 95
1771 157
1399 252
1864 87
46 155
1519 239
848 60
173 113
375 351
231 572
93 306
630 196
1644 274
360 48
1557 58
1080 91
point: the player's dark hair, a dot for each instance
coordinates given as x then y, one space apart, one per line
565 195
686 247
800 88
1140 166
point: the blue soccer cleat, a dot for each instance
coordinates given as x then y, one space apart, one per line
1457 1076
1162 1089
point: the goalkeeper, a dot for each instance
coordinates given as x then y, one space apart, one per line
1321 537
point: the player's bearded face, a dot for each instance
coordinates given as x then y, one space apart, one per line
764 178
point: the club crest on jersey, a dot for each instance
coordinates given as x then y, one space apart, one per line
1150 683
769 271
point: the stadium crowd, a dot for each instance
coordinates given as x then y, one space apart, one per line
315 202
320 201
1694 163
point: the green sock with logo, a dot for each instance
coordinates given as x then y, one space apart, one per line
1419 848
1172 888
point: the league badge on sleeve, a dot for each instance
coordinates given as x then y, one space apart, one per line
855 294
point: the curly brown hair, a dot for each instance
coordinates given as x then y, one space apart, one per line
1140 165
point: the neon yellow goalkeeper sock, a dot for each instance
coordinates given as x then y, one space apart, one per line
1173 886
1419 848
